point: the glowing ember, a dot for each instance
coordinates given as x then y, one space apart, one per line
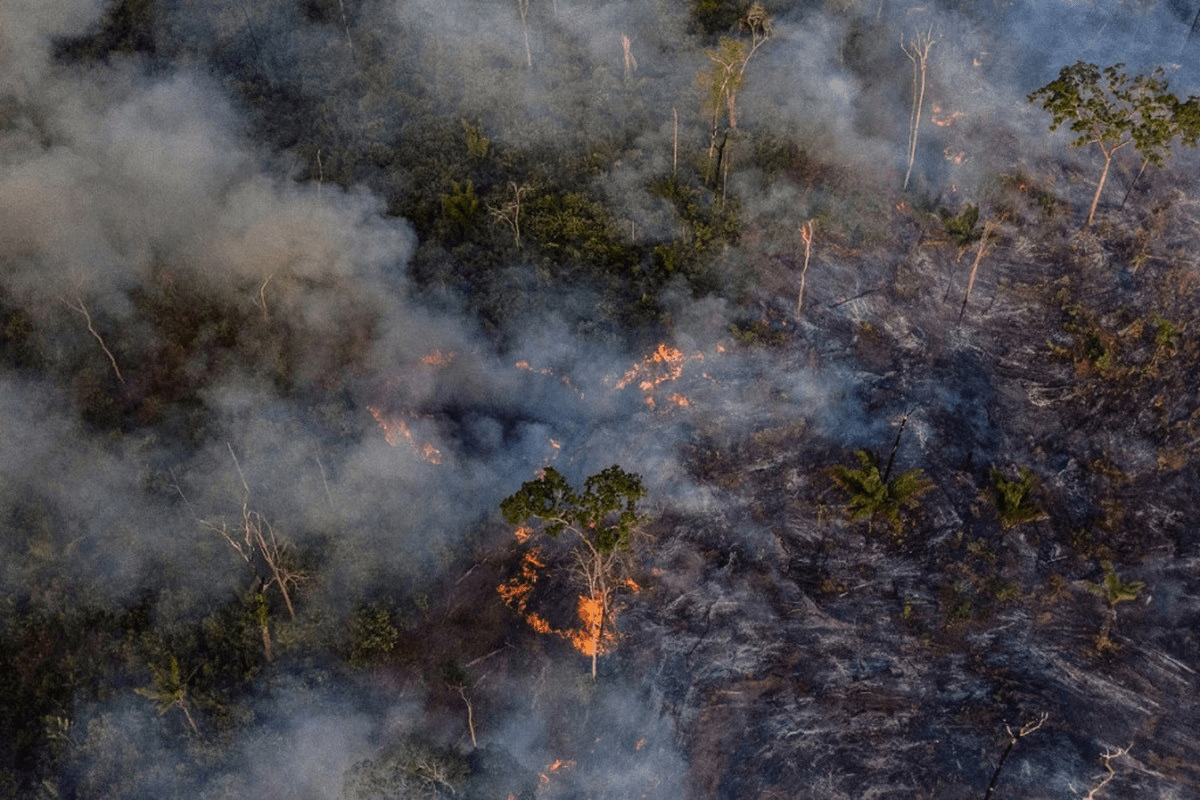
524 365
397 430
640 744
394 431
954 156
438 359
679 400
943 118
557 766
515 592
523 533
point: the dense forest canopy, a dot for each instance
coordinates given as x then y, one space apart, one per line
310 308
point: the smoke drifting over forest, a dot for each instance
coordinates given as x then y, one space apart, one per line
256 265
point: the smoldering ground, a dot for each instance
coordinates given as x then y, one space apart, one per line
388 423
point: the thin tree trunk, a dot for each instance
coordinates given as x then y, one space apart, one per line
1108 157
1138 177
87 318
675 149
987 230
470 715
806 233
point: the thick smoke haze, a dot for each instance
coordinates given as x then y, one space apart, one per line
396 419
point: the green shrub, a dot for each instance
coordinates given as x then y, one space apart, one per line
1013 499
961 227
874 497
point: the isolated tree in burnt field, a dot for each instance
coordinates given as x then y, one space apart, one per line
1108 108
602 520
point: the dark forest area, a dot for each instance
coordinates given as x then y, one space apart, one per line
665 399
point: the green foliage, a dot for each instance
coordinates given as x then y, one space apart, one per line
716 16
605 512
572 226
1113 589
961 227
373 634
1013 499
477 143
460 208
874 498
1109 108
757 333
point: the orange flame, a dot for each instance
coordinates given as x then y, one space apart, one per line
515 592
397 430
557 766
592 637
664 364
393 430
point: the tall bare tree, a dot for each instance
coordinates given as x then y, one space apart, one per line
917 51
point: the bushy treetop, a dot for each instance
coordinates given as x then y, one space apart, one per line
605 512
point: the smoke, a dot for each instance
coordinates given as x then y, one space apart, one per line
388 425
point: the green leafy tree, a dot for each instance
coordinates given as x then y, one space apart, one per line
873 496
602 520
727 72
1109 109
171 689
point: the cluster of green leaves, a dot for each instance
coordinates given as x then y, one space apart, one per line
605 512
962 228
875 496
1113 589
1138 350
1108 107
373 634
1014 498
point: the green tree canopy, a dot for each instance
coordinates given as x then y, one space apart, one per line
604 514
1108 108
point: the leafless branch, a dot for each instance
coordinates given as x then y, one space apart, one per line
82 309
1107 757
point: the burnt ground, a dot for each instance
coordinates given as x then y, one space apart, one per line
783 651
